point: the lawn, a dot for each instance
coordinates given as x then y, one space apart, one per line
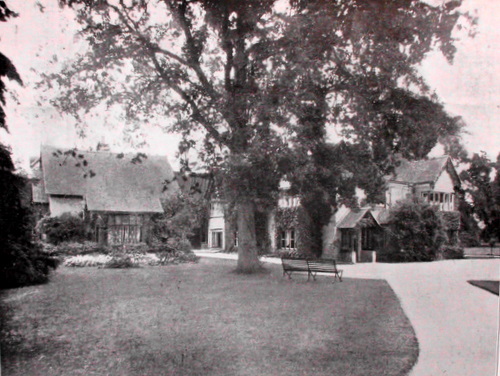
202 319
491 286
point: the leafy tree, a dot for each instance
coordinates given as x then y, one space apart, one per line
416 232
182 214
483 193
22 262
262 85
495 222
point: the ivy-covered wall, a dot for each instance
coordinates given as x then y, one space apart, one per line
296 218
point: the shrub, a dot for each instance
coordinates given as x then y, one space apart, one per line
120 262
87 260
25 264
469 240
64 228
416 232
73 249
450 252
136 248
22 261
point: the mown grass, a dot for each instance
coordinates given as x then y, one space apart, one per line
203 319
491 286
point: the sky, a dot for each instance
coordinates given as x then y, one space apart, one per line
43 33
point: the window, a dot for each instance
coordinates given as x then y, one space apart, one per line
124 229
288 239
346 239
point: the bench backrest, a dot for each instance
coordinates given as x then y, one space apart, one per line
322 265
294 263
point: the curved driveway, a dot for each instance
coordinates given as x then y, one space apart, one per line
456 324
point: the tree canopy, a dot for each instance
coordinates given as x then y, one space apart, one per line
22 262
483 191
263 81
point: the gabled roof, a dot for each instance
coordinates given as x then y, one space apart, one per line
381 215
119 184
355 217
423 171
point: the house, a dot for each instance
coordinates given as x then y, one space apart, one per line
357 234
353 234
118 193
433 180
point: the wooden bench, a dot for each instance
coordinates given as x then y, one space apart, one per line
324 266
311 267
291 265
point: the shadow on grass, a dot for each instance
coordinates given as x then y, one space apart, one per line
491 286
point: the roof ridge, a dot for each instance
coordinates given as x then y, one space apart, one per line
104 151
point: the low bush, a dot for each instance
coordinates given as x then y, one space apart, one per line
450 252
120 262
74 249
469 240
87 260
128 260
65 228
25 264
120 256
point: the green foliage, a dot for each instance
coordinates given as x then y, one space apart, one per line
120 262
89 260
22 261
450 252
416 232
64 228
74 248
182 214
484 194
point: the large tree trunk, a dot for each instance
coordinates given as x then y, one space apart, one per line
248 261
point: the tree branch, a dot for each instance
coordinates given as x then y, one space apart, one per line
190 41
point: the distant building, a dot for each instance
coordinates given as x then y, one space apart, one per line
357 234
354 235
119 192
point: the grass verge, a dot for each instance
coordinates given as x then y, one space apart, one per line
203 319
491 286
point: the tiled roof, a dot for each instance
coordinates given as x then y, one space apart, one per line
352 218
415 172
381 215
119 185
